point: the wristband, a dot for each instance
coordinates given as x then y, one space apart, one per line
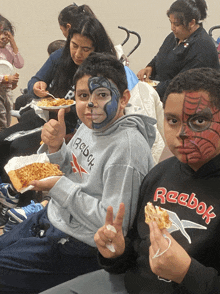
6 78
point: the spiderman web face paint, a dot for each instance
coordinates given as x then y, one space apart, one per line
200 132
104 98
192 127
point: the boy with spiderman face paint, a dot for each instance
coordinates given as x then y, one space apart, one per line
200 128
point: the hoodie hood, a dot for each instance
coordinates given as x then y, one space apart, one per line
143 123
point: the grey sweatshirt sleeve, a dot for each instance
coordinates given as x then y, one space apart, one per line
90 211
121 183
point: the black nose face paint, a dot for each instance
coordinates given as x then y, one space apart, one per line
90 104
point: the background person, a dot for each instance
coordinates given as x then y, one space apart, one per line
188 46
9 52
45 75
55 45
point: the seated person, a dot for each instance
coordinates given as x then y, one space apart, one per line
188 46
67 19
110 149
185 257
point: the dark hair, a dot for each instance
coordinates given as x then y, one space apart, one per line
91 28
194 80
187 10
5 25
55 45
104 65
68 14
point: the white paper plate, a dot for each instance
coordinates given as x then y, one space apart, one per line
55 107
6 68
153 83
21 161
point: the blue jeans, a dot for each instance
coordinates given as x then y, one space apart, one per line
32 259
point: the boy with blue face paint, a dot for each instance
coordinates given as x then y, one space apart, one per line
103 164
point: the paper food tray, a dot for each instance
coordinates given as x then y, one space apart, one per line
21 161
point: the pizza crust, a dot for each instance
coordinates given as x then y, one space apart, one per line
159 215
15 180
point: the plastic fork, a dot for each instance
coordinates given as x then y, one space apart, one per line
51 95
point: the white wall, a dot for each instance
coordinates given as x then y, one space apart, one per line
36 26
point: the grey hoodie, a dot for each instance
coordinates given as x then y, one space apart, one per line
101 169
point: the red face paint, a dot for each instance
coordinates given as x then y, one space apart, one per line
200 132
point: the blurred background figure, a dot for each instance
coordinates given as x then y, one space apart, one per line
188 46
55 45
9 57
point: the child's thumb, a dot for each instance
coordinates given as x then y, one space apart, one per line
61 114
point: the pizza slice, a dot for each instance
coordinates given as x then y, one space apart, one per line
159 215
21 177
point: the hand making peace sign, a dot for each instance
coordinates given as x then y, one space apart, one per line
105 237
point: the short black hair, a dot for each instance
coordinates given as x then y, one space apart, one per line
105 65
55 45
194 80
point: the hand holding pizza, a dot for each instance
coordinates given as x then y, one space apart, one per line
54 131
173 263
45 185
106 236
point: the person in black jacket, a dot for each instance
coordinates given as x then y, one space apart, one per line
184 258
188 46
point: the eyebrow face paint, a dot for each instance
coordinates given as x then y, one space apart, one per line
105 93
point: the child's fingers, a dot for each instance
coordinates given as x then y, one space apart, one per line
102 236
106 235
60 116
157 238
119 217
109 216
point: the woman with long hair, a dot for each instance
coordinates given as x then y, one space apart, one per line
87 36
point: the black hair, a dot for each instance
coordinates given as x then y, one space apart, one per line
68 14
55 45
104 65
91 28
5 25
194 80
187 10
